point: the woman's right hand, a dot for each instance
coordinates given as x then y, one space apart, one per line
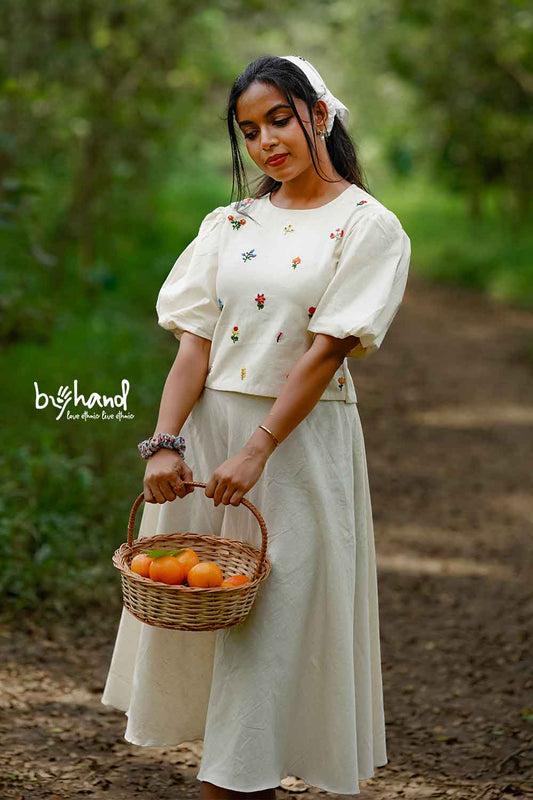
164 476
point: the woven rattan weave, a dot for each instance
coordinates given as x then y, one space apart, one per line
189 608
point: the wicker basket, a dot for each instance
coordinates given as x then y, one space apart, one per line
189 608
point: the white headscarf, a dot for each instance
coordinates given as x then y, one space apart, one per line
335 107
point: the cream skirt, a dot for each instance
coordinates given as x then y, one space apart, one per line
295 689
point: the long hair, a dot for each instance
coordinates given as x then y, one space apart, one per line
292 82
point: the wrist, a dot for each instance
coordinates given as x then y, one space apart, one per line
169 441
260 444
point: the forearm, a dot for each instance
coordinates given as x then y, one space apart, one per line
301 392
183 386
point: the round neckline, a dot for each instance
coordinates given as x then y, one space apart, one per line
315 208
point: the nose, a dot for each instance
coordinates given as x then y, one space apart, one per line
267 138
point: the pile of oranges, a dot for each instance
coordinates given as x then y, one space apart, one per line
182 567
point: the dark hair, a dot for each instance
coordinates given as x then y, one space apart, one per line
292 82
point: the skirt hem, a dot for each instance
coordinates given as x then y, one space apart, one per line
350 790
221 784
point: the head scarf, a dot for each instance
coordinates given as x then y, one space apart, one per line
335 107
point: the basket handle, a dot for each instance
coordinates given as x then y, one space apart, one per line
244 502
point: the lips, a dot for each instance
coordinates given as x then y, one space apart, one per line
274 160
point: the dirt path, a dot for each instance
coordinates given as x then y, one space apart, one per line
448 418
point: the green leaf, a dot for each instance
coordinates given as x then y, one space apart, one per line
160 553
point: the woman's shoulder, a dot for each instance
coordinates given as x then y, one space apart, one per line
368 210
235 213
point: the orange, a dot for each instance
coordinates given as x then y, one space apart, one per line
167 569
235 580
141 564
188 558
205 575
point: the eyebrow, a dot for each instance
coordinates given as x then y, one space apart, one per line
268 113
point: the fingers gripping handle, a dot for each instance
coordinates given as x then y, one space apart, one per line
244 502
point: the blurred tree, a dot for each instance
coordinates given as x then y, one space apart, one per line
90 95
472 66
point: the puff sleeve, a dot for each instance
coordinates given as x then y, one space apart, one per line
187 300
367 288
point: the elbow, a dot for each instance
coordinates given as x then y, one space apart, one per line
330 347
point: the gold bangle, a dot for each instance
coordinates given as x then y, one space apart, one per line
270 432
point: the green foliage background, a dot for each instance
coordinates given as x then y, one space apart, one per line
114 146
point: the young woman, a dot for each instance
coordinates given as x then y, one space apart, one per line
268 301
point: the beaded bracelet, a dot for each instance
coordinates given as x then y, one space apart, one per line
150 446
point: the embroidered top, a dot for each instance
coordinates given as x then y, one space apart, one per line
261 281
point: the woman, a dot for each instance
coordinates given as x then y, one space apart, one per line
267 302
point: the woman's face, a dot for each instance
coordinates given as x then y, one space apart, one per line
270 128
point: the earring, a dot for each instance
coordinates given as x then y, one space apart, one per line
323 134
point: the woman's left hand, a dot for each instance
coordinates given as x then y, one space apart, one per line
234 477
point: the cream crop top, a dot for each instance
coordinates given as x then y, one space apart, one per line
260 281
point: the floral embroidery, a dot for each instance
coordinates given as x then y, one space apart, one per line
260 300
361 202
248 255
296 261
288 228
236 223
279 336
243 373
338 234
235 334
311 311
341 382
220 304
